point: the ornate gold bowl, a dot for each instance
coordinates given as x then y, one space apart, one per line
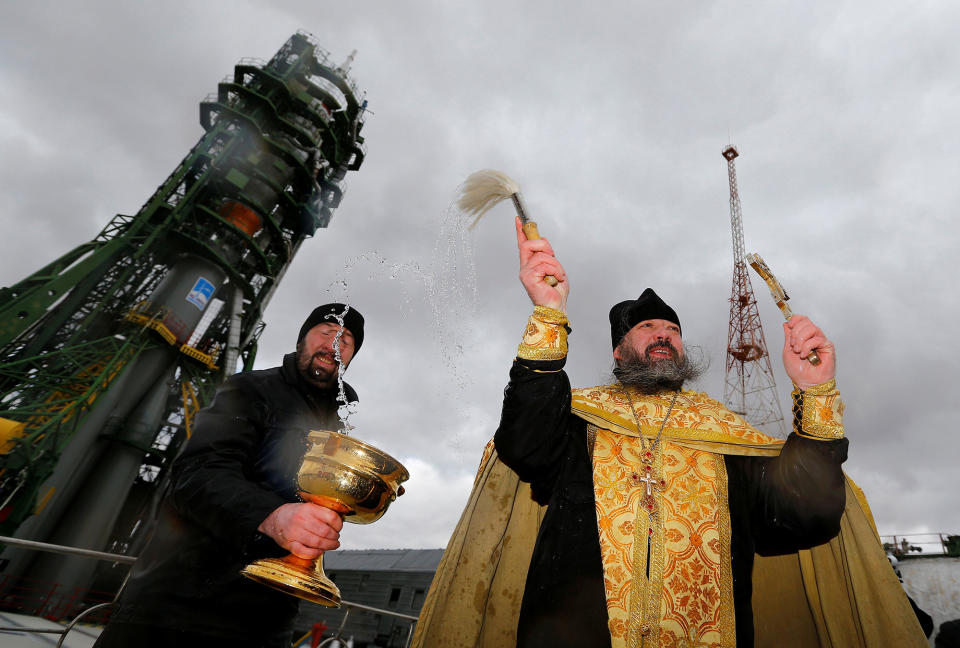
344 474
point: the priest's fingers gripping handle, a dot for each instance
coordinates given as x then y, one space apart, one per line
530 231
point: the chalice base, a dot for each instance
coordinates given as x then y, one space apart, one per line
306 582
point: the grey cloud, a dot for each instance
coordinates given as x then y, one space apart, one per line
612 121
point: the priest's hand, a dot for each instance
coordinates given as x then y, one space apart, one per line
801 336
536 262
304 529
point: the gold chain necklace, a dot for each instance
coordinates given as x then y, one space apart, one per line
649 502
648 457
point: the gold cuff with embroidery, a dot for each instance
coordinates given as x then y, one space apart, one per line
818 411
545 337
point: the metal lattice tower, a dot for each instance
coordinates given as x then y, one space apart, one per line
107 353
749 389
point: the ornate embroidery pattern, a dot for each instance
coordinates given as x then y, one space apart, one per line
697 596
620 520
694 411
819 411
686 602
545 337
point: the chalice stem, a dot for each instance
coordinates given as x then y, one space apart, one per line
305 563
312 565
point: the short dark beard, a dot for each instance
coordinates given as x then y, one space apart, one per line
327 378
650 376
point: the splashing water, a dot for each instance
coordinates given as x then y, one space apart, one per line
346 408
450 286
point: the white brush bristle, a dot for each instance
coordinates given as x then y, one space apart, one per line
484 189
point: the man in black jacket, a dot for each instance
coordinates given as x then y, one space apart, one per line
233 500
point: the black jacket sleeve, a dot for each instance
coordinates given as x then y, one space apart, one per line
533 434
213 483
795 500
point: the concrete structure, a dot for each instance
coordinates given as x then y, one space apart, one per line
934 583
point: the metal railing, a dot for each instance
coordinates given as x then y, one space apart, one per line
129 560
75 551
338 635
921 544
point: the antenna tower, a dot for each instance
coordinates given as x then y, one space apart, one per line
749 389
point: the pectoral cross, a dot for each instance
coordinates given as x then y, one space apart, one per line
648 502
650 483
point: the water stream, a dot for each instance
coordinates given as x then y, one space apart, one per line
450 288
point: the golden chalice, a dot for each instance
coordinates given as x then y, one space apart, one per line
348 476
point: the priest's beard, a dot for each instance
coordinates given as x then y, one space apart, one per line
650 376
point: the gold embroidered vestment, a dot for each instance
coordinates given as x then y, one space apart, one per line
838 595
662 515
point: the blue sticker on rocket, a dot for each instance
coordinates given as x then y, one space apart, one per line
201 293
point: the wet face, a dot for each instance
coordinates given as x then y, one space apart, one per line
316 356
652 340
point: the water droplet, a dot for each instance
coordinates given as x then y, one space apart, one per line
450 287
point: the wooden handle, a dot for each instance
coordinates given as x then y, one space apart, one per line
530 231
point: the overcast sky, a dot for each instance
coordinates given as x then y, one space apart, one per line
612 117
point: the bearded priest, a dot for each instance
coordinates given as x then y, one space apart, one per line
632 514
